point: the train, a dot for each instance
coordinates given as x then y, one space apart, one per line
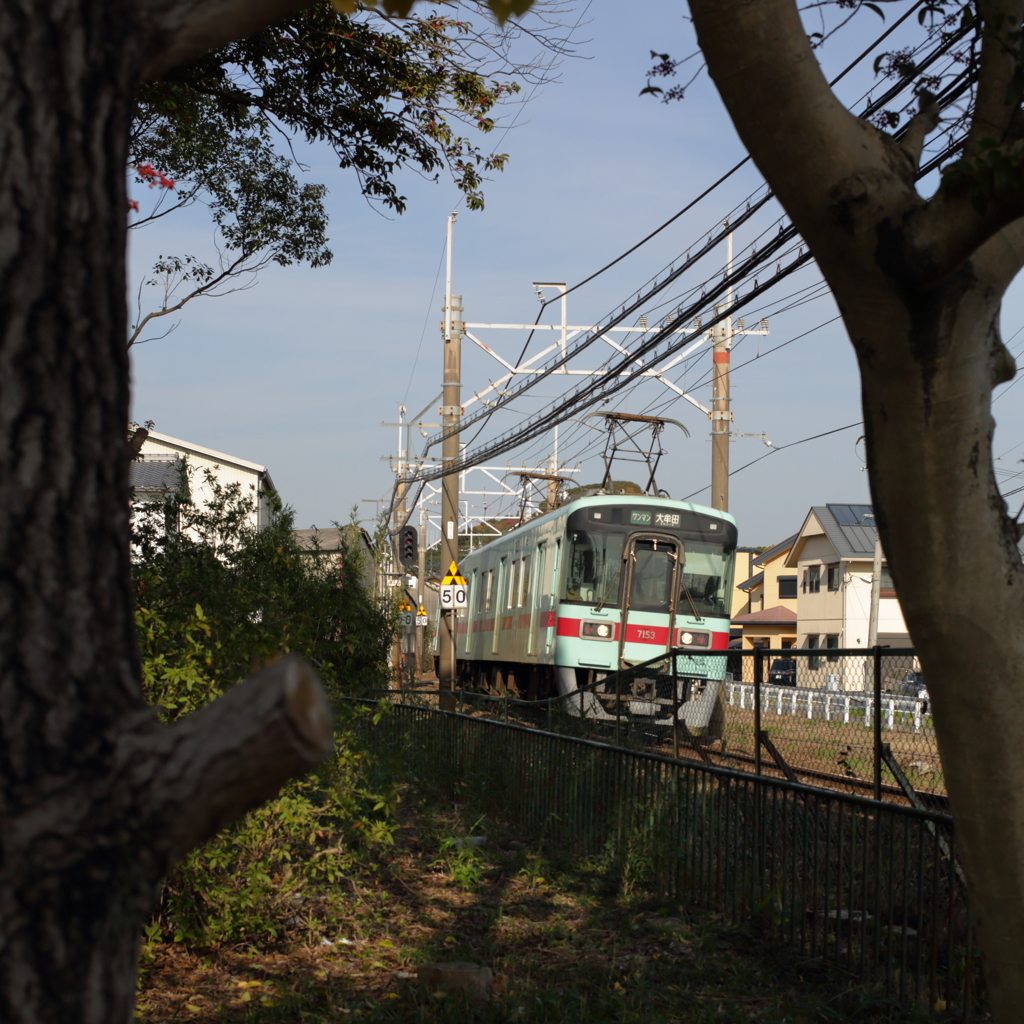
602 583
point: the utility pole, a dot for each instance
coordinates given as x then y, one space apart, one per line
721 415
876 589
421 631
398 521
451 414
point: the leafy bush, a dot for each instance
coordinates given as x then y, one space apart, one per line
218 599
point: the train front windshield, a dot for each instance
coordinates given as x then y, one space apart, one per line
706 577
594 573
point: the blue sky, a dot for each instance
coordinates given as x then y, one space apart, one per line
299 372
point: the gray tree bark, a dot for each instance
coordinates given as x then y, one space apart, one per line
97 800
919 284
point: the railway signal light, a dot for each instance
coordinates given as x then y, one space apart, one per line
408 546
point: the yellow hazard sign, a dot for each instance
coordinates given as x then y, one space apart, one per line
405 607
421 610
453 577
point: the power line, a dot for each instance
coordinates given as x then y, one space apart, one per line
426 320
780 448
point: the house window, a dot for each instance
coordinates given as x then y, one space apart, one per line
835 576
812 579
813 662
832 643
787 587
887 588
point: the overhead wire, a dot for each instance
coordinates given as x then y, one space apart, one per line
509 396
635 355
779 448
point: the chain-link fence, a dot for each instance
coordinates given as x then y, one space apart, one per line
857 721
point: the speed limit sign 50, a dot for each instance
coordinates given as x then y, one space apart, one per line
453 595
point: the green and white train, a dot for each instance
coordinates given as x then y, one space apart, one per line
602 583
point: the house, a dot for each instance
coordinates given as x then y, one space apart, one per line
832 557
160 459
155 478
769 618
333 540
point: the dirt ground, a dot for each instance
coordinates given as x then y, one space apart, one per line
565 942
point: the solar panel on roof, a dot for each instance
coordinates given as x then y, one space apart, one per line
852 515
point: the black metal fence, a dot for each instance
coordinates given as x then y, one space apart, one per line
869 887
853 720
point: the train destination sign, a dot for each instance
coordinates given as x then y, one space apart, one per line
652 517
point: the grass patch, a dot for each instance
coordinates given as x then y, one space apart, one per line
566 943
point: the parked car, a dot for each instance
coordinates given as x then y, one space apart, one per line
907 684
783 672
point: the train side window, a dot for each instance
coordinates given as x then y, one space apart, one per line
524 582
487 591
513 582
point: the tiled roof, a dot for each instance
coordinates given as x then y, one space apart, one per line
155 474
777 616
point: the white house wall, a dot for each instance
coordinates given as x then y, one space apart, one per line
858 608
224 471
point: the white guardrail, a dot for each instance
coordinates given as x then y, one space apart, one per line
830 705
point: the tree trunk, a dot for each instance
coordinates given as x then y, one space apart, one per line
96 799
919 284
69 908
928 364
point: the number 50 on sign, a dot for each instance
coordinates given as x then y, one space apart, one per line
453 595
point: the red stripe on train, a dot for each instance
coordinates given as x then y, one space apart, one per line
640 634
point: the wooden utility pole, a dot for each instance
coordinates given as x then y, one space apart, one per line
721 415
451 414
421 631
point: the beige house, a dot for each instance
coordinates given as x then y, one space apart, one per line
832 557
768 617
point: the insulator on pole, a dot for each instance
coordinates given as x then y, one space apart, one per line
740 325
643 321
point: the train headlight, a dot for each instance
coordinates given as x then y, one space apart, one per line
598 630
687 638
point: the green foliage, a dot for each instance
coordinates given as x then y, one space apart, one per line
218 598
465 859
382 98
255 879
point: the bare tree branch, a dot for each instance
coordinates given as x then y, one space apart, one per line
995 106
813 152
185 29
211 767
237 268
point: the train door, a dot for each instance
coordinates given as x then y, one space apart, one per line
498 597
470 618
651 570
551 579
523 603
538 597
